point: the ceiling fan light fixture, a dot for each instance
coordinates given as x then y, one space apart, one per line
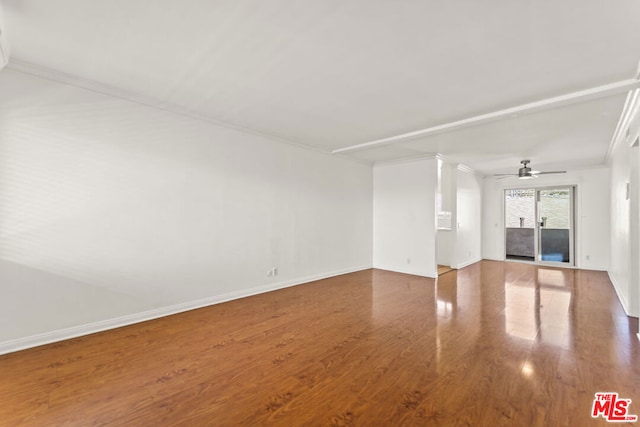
525 172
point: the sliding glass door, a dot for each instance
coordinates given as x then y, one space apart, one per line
539 225
520 223
555 225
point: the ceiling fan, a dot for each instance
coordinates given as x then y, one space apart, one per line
525 172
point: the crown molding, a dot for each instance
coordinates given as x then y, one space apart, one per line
532 107
114 92
410 159
631 108
466 169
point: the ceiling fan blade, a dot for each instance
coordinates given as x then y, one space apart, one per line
525 172
550 172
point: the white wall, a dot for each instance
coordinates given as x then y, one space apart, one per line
592 214
447 183
443 247
468 218
34 301
625 234
4 43
404 217
160 209
444 238
620 213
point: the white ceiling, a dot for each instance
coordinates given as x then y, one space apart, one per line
332 74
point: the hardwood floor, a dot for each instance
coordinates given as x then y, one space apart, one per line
491 344
443 269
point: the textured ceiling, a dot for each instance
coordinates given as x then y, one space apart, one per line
337 73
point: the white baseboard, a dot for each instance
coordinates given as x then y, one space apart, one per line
468 263
103 325
432 275
621 297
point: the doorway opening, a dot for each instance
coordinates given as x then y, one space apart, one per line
539 224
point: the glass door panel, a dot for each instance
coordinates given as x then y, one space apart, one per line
520 224
539 224
555 225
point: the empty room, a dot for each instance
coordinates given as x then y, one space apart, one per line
331 213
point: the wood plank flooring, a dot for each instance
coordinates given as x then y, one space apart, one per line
491 344
443 269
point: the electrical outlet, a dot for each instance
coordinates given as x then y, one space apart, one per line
275 271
